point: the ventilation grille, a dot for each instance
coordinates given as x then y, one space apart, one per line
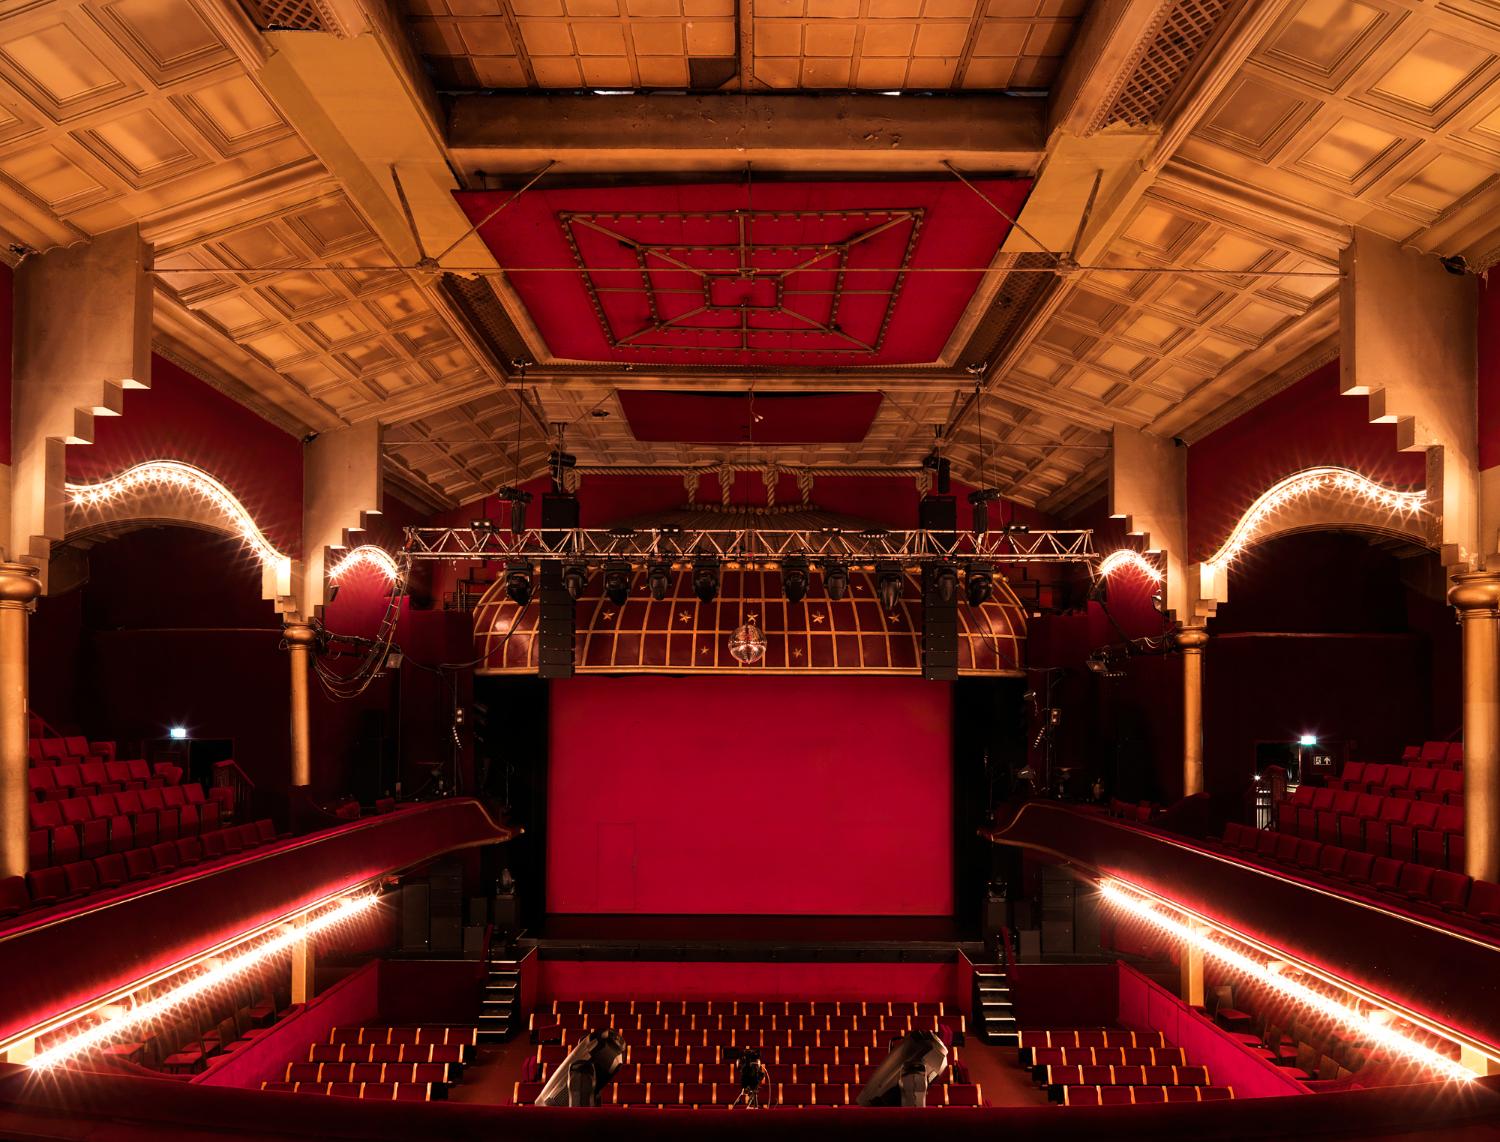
1017 299
474 298
1186 26
290 15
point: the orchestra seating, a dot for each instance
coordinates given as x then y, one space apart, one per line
1404 828
389 1064
1114 1068
681 1053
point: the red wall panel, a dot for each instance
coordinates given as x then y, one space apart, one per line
750 796
1308 424
181 418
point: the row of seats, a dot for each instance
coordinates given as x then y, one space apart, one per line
1397 827
70 779
772 1094
1089 1038
552 1054
382 1092
1103 1057
667 1073
44 748
1141 1095
1418 883
1051 1076
206 1033
383 1062
1446 785
50 884
433 1074
56 838
1435 755
450 1053
877 1029
676 1010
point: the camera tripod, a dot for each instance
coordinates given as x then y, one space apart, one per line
749 1096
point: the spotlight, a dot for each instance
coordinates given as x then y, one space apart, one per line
706 578
945 578
916 1060
979 584
794 578
1305 739
888 585
518 501
835 579
482 526
980 501
659 579
178 733
518 583
617 582
575 577
591 1063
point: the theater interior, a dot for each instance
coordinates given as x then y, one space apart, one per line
665 568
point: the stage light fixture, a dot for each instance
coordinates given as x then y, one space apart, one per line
575 578
518 501
518 583
178 733
835 579
888 584
945 577
591 1063
979 583
617 577
794 578
980 502
659 579
916 1061
706 578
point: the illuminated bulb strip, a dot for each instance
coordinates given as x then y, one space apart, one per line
175 475
365 555
1116 560
1355 1020
1305 483
223 973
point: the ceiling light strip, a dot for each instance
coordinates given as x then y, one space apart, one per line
1306 483
174 475
299 926
1134 901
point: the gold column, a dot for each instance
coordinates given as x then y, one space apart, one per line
19 588
1191 968
304 961
1192 640
1477 598
299 644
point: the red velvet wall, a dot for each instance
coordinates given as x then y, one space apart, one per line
182 418
1308 424
750 796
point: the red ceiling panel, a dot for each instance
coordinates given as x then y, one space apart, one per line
725 418
803 273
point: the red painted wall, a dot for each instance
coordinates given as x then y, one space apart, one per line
181 418
1308 424
750 796
646 979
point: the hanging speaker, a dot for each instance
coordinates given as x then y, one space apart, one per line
554 629
939 622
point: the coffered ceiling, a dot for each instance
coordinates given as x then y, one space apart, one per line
1206 160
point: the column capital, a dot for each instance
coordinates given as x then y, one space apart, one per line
1475 591
299 634
1191 638
19 585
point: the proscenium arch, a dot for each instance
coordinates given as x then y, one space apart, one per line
1315 499
171 492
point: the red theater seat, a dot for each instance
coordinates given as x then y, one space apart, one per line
139 863
80 877
13 895
64 845
110 870
1449 890
47 885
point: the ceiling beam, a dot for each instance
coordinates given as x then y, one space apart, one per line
512 133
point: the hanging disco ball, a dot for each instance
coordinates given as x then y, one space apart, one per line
748 644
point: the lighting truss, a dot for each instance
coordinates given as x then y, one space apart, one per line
1359 1011
754 546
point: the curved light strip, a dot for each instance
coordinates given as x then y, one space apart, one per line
1116 560
365 555
217 976
1305 483
176 475
1115 892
